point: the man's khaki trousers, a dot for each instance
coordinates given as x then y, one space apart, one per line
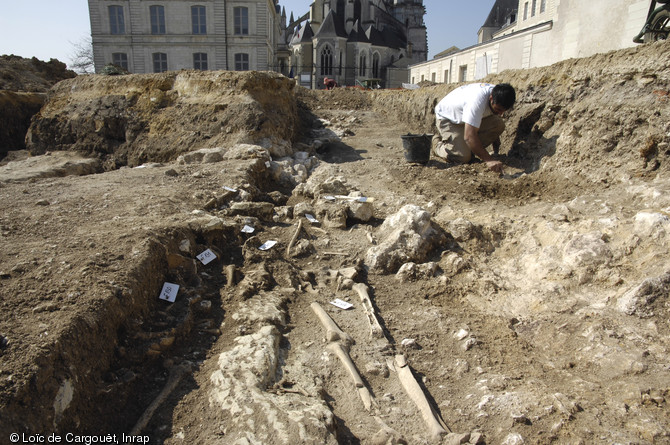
452 146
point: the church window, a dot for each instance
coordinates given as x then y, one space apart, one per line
361 66
375 66
326 62
340 9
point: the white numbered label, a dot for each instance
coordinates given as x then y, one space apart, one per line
267 245
206 257
341 304
169 292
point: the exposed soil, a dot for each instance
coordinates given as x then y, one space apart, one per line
540 314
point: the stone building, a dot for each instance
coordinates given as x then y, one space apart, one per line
355 40
150 36
519 34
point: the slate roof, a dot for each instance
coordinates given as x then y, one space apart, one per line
331 27
357 34
304 34
499 13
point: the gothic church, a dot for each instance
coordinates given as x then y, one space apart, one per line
355 40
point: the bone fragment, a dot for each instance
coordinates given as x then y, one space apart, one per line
375 328
230 275
294 238
176 374
436 425
333 332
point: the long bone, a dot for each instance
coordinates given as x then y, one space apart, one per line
339 343
375 328
345 358
436 425
333 331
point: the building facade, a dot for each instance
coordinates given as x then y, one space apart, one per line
151 36
353 41
520 34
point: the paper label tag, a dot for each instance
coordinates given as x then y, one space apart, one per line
230 189
206 257
329 198
311 218
247 229
341 304
169 292
267 245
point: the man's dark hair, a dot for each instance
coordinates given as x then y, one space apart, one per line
504 95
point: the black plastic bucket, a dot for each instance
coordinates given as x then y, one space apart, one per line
417 147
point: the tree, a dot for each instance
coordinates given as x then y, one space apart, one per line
82 58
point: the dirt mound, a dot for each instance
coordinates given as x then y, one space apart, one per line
351 296
23 83
31 75
130 120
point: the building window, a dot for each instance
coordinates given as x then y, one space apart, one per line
543 5
446 76
326 62
533 8
375 66
525 11
120 59
160 62
361 65
198 20
433 76
157 14
463 75
116 23
200 61
241 15
242 61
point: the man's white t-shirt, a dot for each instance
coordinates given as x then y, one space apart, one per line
467 104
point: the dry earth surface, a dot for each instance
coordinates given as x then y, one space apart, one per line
530 307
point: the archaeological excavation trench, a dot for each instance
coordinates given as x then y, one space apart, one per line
330 291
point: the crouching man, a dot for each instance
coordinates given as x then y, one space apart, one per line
469 119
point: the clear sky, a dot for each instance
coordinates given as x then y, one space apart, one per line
49 29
